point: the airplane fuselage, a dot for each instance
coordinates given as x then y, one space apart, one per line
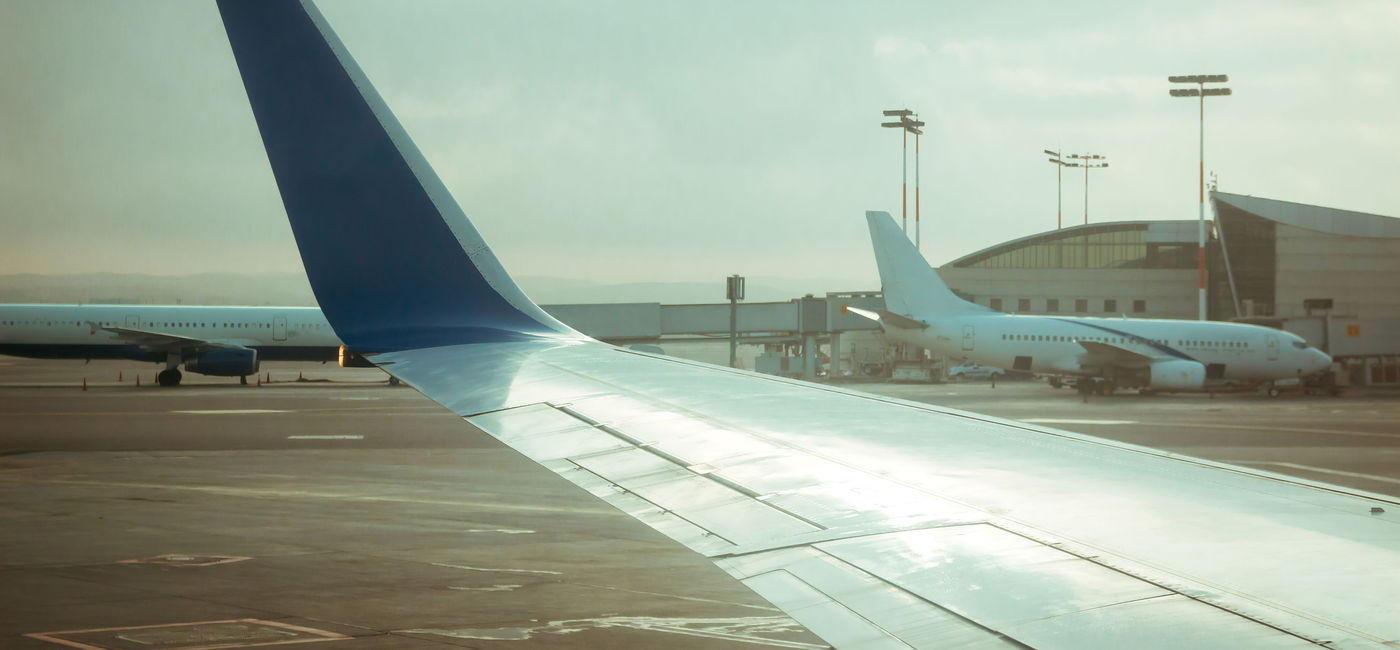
75 331
1231 352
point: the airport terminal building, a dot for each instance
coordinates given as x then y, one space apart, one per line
1329 275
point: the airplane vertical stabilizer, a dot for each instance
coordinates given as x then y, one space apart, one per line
393 260
912 288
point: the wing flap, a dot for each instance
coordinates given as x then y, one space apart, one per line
851 608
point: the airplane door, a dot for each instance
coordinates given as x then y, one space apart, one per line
279 328
1272 345
968 339
133 322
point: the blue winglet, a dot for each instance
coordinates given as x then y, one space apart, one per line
394 262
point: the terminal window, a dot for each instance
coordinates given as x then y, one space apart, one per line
1052 305
1139 306
1081 305
995 304
1110 305
1023 305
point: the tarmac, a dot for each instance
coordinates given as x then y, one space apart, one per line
340 511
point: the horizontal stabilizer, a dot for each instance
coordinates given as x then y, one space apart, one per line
889 318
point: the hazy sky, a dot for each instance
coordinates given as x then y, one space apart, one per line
670 141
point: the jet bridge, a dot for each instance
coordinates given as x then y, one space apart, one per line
808 321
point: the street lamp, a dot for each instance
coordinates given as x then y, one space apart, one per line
909 125
1087 161
1200 91
1059 187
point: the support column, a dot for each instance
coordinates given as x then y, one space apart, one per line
809 356
835 372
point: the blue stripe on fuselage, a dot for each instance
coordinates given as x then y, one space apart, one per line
1134 337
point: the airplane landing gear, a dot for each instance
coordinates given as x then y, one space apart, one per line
168 377
243 380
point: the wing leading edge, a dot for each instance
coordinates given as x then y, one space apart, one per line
875 522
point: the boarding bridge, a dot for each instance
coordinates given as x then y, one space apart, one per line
758 322
809 320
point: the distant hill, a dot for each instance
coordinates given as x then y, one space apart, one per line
292 289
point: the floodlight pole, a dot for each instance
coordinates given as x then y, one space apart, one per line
1200 91
1059 188
909 125
1087 161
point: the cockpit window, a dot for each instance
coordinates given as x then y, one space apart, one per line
1300 345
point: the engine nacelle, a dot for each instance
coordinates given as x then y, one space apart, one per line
1176 375
227 362
351 359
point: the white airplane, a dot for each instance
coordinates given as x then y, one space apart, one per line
875 522
1106 353
219 341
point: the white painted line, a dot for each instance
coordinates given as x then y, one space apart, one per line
328 437
231 411
477 568
1076 421
1323 470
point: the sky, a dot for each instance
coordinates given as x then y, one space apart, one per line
616 141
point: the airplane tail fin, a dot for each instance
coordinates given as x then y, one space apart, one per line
912 288
394 262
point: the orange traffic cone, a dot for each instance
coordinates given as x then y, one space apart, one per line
84 383
259 380
119 376
138 380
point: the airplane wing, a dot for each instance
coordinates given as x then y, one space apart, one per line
875 522
1107 354
163 341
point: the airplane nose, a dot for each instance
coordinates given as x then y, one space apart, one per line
1321 360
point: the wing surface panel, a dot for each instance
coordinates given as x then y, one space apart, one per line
736 466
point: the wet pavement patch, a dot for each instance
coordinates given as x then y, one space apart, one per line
176 559
239 633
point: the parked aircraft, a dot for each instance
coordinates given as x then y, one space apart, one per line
1109 353
219 341
873 521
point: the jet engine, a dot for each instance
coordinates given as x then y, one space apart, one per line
1178 374
351 359
226 362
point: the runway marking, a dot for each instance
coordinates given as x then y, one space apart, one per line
491 588
503 531
1076 421
333 436
477 568
306 494
1255 427
231 411
678 597
743 630
1322 470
